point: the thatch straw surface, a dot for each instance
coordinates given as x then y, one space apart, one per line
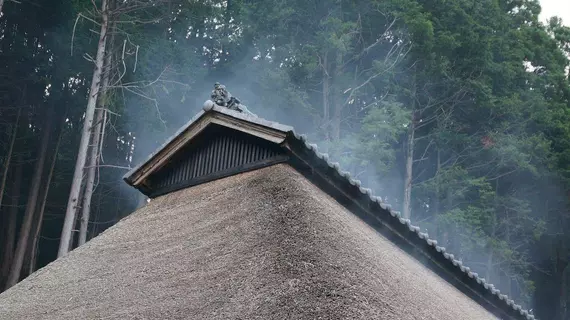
266 244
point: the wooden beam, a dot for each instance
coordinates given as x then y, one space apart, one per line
160 159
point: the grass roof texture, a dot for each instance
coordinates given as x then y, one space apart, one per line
265 244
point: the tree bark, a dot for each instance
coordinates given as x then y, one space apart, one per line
42 206
489 271
407 205
437 196
30 246
9 156
326 92
446 237
408 176
98 133
74 193
90 183
10 230
31 206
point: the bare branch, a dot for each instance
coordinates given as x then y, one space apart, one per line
73 33
109 166
102 140
109 111
123 61
136 59
423 157
88 57
367 81
150 99
95 6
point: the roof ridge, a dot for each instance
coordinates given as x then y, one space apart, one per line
407 222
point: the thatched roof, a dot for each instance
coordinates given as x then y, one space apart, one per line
317 167
266 244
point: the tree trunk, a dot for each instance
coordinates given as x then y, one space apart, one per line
1 5
42 206
337 112
90 183
563 309
437 195
30 246
408 175
446 238
76 221
10 238
9 156
493 233
489 270
337 103
31 206
326 92
98 136
336 120
507 271
74 193
407 205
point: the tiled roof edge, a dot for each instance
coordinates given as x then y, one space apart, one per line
504 301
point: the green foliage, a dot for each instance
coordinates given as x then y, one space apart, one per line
491 160
381 129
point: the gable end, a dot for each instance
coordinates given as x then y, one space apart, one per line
217 152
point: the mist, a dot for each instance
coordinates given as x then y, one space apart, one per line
281 80
432 106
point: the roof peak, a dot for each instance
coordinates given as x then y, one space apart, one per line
220 96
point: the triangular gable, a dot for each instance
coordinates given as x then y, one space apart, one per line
270 132
217 152
328 176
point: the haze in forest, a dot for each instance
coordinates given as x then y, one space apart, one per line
456 114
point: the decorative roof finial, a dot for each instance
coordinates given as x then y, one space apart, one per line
223 98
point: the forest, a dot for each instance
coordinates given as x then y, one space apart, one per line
456 112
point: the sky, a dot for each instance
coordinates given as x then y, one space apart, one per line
560 8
